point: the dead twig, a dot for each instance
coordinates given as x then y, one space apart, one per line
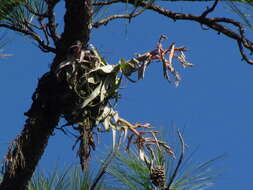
44 47
99 3
209 10
214 23
33 12
105 21
51 21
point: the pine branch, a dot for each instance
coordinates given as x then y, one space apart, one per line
215 23
211 9
105 21
99 3
51 20
44 47
218 24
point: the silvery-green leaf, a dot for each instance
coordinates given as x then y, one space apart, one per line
104 69
106 113
107 68
106 123
63 64
91 80
142 154
172 51
113 137
116 116
103 91
92 96
114 83
81 56
125 129
96 53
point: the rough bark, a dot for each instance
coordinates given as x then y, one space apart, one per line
26 150
48 103
76 27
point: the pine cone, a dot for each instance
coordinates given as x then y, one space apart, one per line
157 176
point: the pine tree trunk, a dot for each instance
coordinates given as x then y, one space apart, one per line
48 103
27 149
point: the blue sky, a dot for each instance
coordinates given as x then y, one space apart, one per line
213 104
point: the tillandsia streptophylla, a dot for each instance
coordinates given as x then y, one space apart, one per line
94 85
166 56
142 135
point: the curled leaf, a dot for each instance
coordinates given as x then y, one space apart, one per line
93 95
104 69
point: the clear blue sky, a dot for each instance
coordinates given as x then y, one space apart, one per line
213 104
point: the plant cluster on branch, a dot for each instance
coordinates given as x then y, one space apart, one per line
94 87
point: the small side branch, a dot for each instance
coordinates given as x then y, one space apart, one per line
244 56
35 36
28 7
27 27
209 10
215 23
100 3
105 21
51 20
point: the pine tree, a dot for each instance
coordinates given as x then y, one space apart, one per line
82 93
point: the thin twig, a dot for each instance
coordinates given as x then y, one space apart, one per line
35 36
33 12
43 28
99 3
214 23
51 21
209 10
244 56
113 17
33 25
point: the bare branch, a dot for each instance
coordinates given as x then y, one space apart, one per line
35 36
49 14
214 23
105 2
113 17
244 56
211 9
44 29
51 21
35 13
52 1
